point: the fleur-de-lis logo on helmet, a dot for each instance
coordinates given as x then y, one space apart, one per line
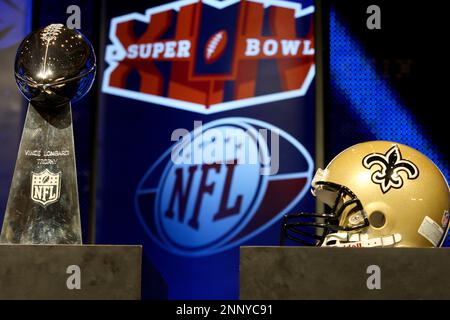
391 164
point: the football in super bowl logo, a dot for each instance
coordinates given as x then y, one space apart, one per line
196 200
221 62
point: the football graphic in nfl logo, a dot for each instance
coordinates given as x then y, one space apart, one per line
215 46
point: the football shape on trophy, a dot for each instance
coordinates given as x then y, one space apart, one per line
55 65
215 46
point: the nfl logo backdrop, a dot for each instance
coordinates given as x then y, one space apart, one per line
208 126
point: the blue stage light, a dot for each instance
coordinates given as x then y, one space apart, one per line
353 75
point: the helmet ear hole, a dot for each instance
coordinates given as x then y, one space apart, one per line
377 219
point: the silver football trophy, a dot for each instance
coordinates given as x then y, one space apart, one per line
54 67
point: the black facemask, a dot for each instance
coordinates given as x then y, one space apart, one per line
310 229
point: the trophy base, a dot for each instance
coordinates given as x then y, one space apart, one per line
70 272
310 273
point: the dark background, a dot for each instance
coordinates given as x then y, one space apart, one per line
406 103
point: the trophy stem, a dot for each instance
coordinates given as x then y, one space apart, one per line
43 203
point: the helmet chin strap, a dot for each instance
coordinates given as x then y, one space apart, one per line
358 240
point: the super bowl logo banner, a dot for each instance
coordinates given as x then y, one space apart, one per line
204 180
206 56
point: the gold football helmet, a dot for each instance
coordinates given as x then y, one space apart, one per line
381 194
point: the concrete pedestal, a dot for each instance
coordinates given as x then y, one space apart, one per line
344 273
70 272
